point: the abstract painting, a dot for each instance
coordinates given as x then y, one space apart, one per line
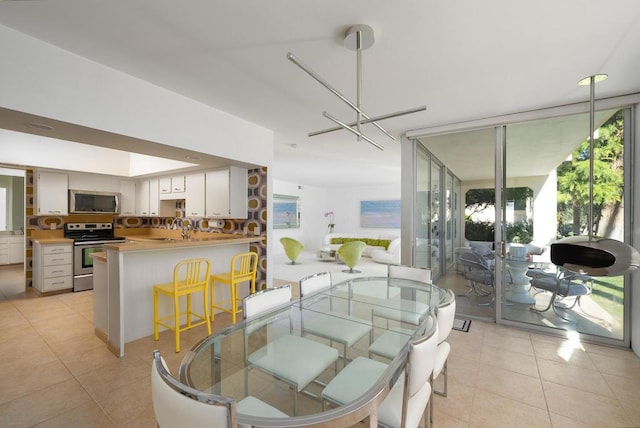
380 214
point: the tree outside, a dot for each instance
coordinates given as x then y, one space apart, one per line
573 183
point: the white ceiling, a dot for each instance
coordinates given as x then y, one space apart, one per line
463 60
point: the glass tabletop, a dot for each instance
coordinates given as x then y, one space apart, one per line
241 361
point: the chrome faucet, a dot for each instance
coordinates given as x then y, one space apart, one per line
186 230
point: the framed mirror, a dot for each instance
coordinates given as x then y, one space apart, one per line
286 212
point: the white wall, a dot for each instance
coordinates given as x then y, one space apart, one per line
313 205
345 203
41 79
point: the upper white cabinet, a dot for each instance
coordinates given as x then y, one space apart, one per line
142 198
172 187
194 205
164 185
226 193
127 197
52 193
147 198
154 198
148 203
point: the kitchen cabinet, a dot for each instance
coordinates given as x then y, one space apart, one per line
164 185
4 251
147 201
142 198
127 197
172 187
16 249
52 266
154 198
226 193
194 195
52 193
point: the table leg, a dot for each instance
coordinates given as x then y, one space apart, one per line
517 291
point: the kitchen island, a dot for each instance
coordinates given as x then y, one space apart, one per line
124 290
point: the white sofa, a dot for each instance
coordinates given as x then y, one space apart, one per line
378 253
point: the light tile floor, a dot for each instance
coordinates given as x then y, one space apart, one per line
56 373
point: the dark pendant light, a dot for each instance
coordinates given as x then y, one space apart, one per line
586 254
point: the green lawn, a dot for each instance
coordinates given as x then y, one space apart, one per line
608 292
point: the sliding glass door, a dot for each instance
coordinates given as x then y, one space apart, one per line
520 187
546 192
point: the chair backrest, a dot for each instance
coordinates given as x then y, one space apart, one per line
446 313
258 303
176 404
191 273
292 247
412 273
244 267
315 283
474 260
420 363
351 252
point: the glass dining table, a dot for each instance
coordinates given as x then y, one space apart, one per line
220 364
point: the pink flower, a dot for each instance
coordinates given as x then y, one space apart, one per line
330 215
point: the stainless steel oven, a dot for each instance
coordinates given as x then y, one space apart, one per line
88 238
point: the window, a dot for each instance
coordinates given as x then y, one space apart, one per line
480 214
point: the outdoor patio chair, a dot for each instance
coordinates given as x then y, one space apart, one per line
563 285
479 273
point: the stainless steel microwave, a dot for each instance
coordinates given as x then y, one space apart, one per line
91 202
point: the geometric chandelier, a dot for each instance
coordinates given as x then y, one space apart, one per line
358 38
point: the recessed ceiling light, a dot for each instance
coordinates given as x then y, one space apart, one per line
39 126
597 78
193 157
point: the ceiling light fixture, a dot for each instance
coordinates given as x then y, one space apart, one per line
586 254
357 38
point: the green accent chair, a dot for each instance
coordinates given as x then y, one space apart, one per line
292 248
350 253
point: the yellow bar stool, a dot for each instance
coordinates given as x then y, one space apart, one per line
243 268
189 276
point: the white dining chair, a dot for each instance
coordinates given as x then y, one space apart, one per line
178 405
295 360
445 314
335 327
353 381
262 301
406 403
408 272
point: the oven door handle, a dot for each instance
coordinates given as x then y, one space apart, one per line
86 243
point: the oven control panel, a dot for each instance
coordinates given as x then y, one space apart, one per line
89 226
